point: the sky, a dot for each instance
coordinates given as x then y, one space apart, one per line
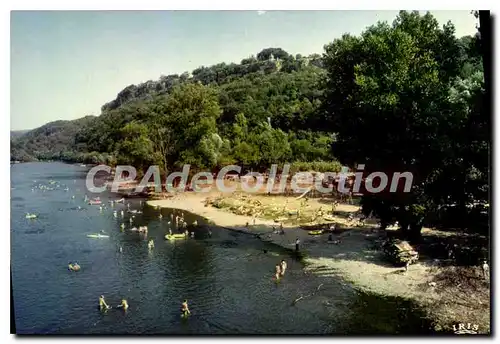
67 64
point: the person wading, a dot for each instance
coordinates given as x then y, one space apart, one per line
277 272
283 267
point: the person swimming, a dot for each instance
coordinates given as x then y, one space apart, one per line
102 303
283 267
277 272
123 305
185 309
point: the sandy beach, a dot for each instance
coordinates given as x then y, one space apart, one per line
356 260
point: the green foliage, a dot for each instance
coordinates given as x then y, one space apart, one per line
406 96
402 97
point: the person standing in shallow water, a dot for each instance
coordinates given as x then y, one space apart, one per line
297 243
277 272
283 267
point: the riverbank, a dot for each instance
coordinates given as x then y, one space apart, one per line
357 260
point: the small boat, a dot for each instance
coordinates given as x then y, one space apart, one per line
281 219
30 216
329 218
74 267
95 202
97 236
175 236
120 200
318 232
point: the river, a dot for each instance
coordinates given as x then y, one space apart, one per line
226 277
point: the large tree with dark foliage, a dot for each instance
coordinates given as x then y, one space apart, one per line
399 100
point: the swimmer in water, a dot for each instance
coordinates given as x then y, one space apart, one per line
102 303
209 233
283 267
278 272
123 305
184 308
192 235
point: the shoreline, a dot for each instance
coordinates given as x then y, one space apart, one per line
354 260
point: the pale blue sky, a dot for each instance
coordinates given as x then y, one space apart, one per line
66 65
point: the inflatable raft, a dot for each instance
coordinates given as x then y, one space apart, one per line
74 267
175 236
97 236
319 232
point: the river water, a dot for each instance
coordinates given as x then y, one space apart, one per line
226 277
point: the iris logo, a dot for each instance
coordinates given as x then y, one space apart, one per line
468 328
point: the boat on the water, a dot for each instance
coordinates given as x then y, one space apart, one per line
97 236
74 267
95 202
318 232
30 216
175 236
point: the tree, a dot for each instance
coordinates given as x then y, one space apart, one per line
164 140
193 110
277 53
388 100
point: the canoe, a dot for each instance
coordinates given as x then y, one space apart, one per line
95 202
319 232
175 236
97 236
30 216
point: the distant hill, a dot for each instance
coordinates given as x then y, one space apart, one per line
48 141
272 85
18 133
